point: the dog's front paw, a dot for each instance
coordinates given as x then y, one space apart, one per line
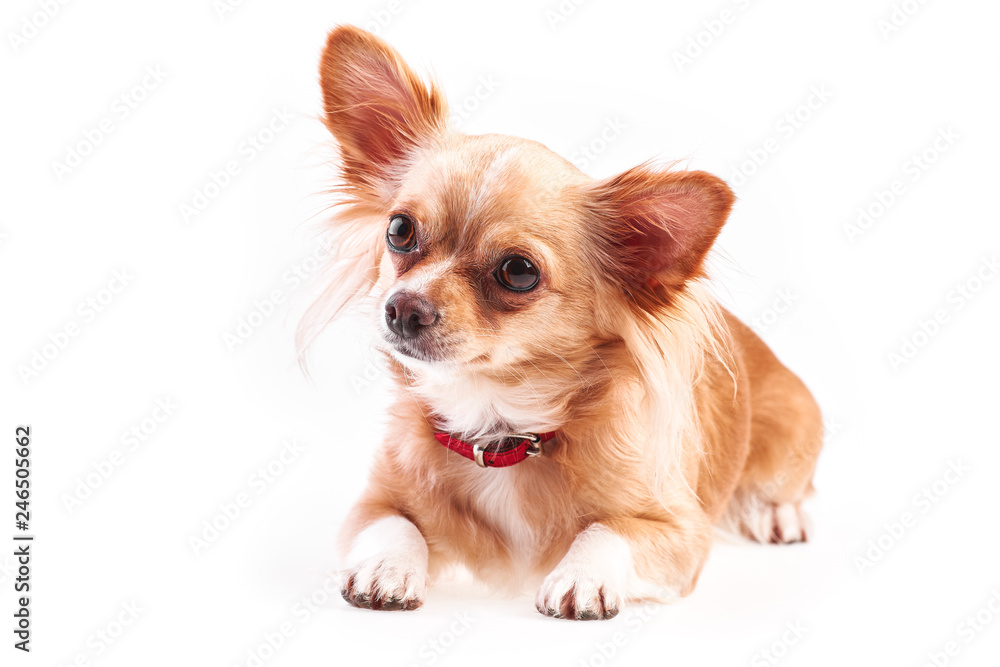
387 566
575 592
590 581
389 583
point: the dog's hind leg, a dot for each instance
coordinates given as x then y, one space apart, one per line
786 434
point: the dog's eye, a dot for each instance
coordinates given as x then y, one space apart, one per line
402 235
517 273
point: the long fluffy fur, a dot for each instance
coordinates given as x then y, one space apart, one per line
667 407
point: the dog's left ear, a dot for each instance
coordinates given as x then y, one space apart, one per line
657 226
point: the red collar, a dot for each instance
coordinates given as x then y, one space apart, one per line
500 454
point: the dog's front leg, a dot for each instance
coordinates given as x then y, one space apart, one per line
385 559
625 559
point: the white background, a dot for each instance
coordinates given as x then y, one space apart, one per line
859 593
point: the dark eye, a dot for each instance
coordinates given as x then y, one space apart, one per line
517 273
402 235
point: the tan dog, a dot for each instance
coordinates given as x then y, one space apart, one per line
516 295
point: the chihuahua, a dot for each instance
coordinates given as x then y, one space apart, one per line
571 403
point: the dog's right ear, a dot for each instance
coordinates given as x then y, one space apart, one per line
376 107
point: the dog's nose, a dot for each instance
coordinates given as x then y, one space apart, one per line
408 314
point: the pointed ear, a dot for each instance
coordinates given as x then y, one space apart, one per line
376 107
659 225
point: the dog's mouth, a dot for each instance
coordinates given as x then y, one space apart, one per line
420 350
406 351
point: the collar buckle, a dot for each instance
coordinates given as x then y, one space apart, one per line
534 443
477 453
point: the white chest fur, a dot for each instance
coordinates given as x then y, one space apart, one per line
477 406
495 496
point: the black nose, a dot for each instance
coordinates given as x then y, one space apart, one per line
407 314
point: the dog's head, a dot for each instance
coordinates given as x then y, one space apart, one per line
485 252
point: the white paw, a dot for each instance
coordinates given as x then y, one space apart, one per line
387 583
590 581
579 595
778 524
387 567
791 524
